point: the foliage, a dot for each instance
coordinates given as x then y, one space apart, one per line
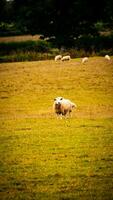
6 11
37 46
7 29
26 56
63 20
41 49
94 43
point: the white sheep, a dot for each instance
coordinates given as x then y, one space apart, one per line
107 57
85 59
58 57
63 106
64 58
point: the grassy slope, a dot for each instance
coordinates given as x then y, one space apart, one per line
43 157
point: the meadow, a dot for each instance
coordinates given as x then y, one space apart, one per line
19 38
46 158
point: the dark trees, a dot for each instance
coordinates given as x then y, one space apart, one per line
62 20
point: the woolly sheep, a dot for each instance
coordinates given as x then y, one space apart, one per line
64 58
85 59
107 57
58 57
63 106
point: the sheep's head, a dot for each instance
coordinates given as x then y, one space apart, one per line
57 101
57 104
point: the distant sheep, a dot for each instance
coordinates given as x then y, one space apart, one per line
85 59
107 57
58 57
65 58
63 106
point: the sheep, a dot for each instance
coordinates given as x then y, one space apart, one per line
64 58
85 59
58 57
63 106
107 57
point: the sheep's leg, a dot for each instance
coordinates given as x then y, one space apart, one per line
70 114
59 116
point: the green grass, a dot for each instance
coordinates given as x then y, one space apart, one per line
43 157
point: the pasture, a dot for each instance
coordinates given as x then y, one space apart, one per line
46 158
19 38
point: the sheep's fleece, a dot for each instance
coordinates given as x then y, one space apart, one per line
63 106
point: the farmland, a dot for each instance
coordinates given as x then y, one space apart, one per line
43 157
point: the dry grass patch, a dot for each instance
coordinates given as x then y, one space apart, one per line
19 38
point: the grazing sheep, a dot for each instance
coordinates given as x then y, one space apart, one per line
107 57
63 106
58 57
64 58
85 59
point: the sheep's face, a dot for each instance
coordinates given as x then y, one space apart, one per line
57 101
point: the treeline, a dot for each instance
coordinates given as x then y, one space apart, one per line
63 20
76 24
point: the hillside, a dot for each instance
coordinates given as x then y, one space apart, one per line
43 157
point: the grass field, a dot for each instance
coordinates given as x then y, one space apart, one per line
19 38
46 158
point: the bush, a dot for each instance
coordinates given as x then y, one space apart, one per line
94 43
26 56
7 29
37 46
